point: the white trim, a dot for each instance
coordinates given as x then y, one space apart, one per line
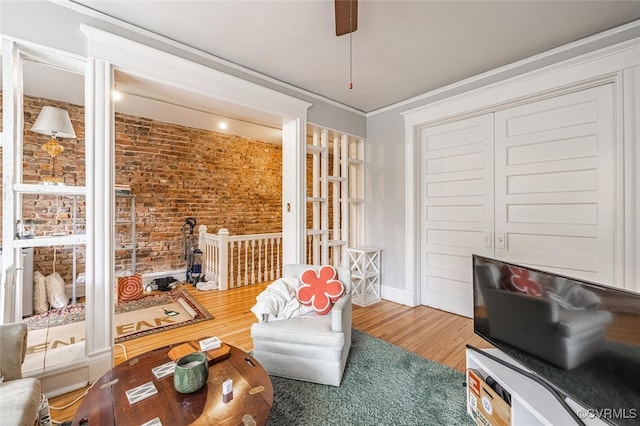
151 63
412 244
99 134
513 67
602 66
107 52
403 296
71 62
587 70
154 36
592 68
178 274
341 132
11 172
294 191
631 161
165 67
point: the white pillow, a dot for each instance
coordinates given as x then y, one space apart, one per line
56 291
278 301
40 303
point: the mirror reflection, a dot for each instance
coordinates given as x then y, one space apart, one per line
53 169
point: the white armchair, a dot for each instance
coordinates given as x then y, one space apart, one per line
309 347
19 397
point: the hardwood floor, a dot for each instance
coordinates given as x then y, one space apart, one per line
433 334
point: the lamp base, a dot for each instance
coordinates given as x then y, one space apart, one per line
51 180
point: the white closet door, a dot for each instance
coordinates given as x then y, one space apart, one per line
456 209
555 184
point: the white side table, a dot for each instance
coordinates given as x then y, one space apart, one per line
364 263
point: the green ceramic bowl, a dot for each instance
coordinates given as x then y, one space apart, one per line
191 373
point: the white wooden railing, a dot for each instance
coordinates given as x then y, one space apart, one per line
236 261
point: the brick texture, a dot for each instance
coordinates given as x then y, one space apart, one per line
175 172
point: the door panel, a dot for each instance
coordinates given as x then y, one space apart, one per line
456 209
555 184
546 199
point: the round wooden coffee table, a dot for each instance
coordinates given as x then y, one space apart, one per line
106 402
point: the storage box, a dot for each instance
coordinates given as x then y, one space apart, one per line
484 404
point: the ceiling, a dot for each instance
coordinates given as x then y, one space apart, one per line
401 48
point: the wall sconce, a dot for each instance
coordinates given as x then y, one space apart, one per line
53 122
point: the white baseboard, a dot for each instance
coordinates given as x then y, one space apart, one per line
178 274
404 297
72 369
80 290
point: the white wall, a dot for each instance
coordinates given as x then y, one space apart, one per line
386 200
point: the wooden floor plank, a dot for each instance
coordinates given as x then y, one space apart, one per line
431 333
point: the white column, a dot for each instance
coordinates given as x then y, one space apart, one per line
344 198
11 168
293 190
99 141
223 259
324 193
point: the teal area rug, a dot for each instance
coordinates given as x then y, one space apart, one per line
382 385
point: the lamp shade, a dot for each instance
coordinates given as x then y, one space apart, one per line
54 122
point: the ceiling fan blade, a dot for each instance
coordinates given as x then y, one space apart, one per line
346 16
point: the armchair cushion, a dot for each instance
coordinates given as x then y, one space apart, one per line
19 402
320 289
310 329
13 338
19 397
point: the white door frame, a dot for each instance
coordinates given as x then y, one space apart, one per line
619 64
107 52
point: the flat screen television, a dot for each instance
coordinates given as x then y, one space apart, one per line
581 338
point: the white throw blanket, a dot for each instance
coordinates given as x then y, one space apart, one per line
279 301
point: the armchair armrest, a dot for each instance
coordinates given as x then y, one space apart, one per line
341 314
13 340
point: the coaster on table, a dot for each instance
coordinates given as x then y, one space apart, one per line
209 344
153 422
141 392
213 355
164 370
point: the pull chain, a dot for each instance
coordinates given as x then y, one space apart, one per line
350 61
350 44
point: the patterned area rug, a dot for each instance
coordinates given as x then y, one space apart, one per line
137 318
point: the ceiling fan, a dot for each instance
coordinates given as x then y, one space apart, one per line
346 16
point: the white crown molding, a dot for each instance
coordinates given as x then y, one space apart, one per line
576 46
168 68
55 57
85 10
592 68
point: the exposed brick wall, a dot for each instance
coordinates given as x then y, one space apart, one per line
54 213
175 172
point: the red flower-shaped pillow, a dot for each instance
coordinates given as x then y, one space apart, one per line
320 289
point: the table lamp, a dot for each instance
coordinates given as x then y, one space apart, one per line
53 122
